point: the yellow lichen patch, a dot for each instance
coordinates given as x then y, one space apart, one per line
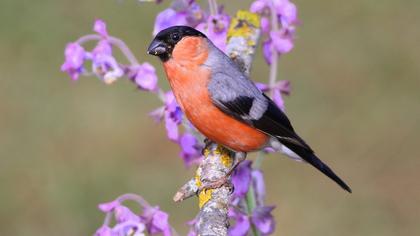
204 196
224 155
251 43
226 160
197 181
206 152
218 151
249 17
243 24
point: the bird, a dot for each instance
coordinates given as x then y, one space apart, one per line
222 102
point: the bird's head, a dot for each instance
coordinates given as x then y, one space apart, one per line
165 41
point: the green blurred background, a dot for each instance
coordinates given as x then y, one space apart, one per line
66 146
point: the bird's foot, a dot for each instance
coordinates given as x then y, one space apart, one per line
218 183
224 181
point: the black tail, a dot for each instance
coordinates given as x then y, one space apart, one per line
312 159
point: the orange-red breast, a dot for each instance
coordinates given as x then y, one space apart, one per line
223 103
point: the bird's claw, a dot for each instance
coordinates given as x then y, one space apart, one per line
221 182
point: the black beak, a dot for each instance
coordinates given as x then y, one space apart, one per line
157 48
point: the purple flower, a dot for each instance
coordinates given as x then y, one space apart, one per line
129 223
285 10
263 219
216 29
282 41
261 216
102 48
131 228
171 126
190 149
108 206
265 25
145 77
123 214
156 221
75 56
263 87
195 14
104 65
192 232
158 114
258 6
100 28
191 224
278 100
173 116
267 51
259 186
156 1
241 178
171 105
104 230
242 224
279 41
168 18
182 12
283 86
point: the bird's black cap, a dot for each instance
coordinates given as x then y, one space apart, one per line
165 41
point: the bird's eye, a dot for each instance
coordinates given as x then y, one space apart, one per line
175 37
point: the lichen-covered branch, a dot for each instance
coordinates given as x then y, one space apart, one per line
213 216
212 219
243 36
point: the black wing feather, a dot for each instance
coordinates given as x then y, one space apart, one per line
273 122
241 106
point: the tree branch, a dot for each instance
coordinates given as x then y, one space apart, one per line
212 219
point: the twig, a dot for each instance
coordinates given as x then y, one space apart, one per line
213 7
114 41
212 218
274 54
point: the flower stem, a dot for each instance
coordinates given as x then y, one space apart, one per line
258 162
250 196
274 54
114 41
87 38
251 204
213 7
108 218
161 95
133 197
125 50
273 73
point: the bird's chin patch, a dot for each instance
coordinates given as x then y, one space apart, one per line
164 57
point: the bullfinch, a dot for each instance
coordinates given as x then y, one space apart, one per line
222 102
